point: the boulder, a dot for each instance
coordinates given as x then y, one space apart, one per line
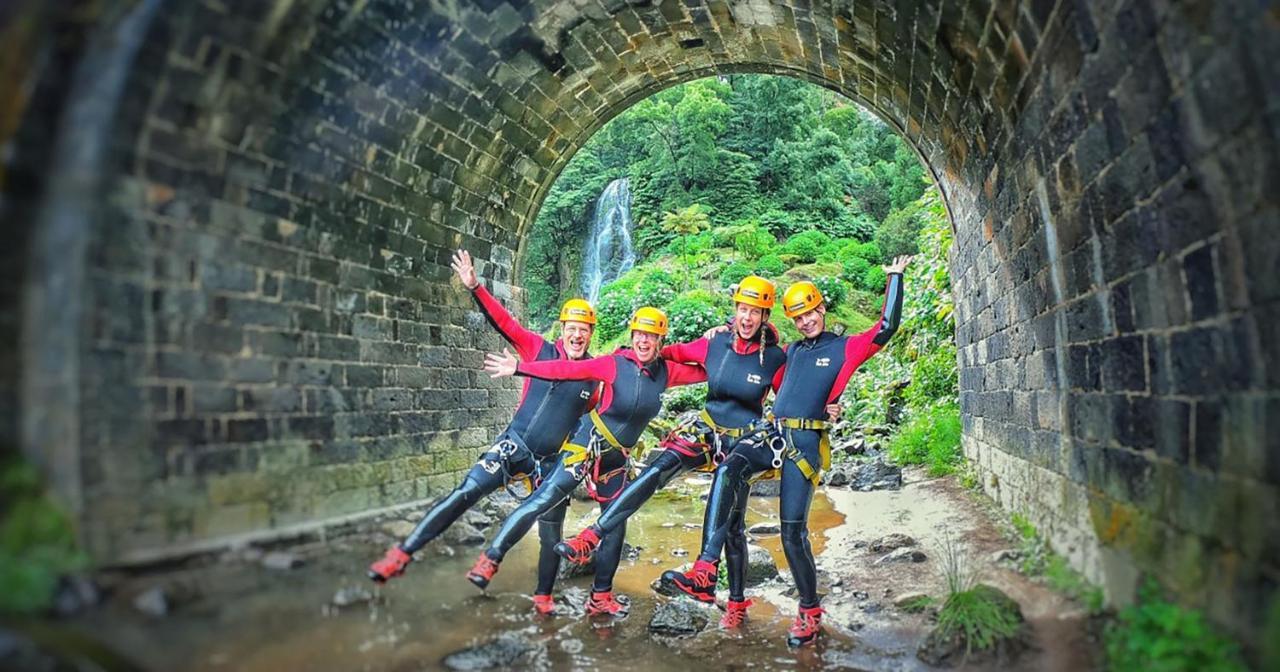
281 560
152 602
877 475
765 529
477 519
350 595
679 618
569 570
903 555
462 533
398 529
946 647
837 475
760 565
891 542
766 488
508 650
663 587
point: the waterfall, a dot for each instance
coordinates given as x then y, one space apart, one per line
609 253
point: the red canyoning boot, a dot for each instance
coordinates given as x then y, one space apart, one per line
482 572
544 605
735 614
606 604
699 582
390 566
807 625
580 548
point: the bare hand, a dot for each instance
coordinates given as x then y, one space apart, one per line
500 366
833 412
465 269
899 264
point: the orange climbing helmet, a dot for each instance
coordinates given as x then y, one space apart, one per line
649 319
801 298
755 291
577 310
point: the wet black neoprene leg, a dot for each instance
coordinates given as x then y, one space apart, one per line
665 466
735 547
797 492
550 528
747 458
609 555
555 488
478 483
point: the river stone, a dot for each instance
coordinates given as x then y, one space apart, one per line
678 618
281 560
350 595
891 542
837 476
877 475
477 518
569 570
662 586
945 649
765 529
153 602
760 565
505 651
903 555
75 593
462 533
766 488
398 529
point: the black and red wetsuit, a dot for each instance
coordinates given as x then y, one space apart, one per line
630 398
547 412
739 377
816 373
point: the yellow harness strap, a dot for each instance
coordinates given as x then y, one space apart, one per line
735 432
577 453
801 462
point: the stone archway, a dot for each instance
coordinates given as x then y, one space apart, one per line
269 342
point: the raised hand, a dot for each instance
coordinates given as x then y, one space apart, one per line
899 264
465 269
500 366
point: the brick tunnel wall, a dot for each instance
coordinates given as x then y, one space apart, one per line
270 337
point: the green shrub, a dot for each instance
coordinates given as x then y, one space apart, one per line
780 224
770 266
677 400
833 290
805 246
1157 635
932 438
873 279
613 310
933 377
690 315
733 273
656 288
854 269
982 615
754 243
37 542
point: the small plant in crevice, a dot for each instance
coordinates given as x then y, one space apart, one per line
1155 634
37 541
1037 559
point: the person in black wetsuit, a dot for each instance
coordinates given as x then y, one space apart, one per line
742 365
527 448
793 441
633 380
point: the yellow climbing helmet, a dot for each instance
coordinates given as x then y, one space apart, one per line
755 291
577 310
801 298
649 319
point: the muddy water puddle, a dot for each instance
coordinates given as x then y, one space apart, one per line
241 616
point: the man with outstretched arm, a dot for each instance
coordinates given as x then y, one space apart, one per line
527 448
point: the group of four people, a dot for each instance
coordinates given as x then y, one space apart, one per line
579 418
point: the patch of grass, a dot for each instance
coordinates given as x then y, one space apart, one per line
1154 634
918 604
983 615
931 438
969 478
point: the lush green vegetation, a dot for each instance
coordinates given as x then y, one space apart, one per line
932 438
1157 635
763 158
978 614
37 542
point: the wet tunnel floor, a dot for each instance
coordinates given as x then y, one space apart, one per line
241 616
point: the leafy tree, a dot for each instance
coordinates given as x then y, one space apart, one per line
685 223
752 242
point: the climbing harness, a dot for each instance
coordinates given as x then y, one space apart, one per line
585 460
504 450
780 440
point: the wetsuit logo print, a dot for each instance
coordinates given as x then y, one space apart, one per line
585 394
491 466
753 378
823 361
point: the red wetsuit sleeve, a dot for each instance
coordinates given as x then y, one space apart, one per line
684 374
527 343
691 352
603 369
